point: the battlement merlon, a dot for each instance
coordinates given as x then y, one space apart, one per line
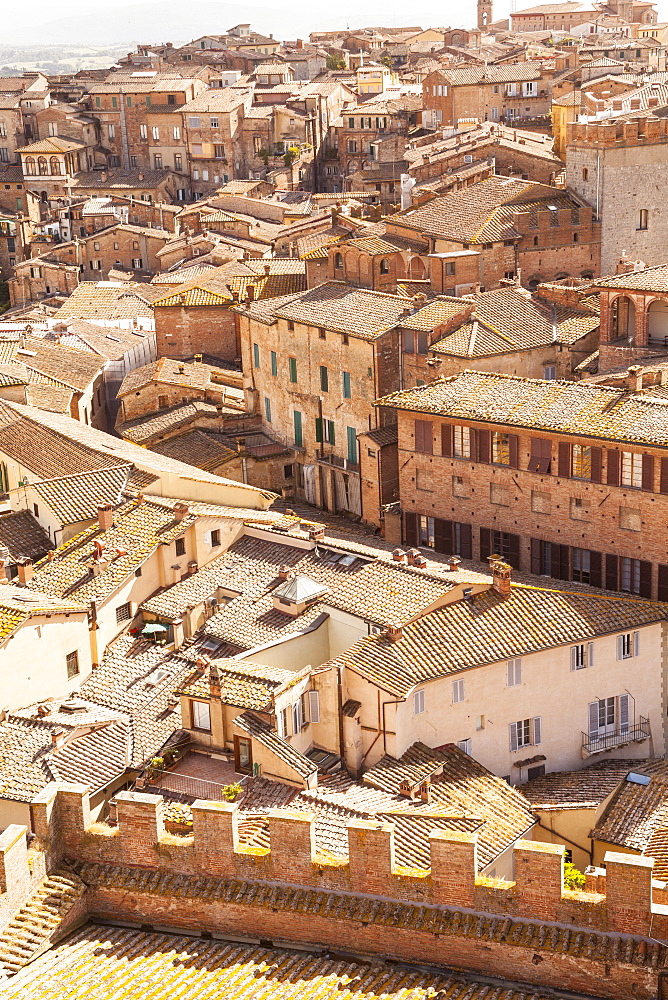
610 134
61 816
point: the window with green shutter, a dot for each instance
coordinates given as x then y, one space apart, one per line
351 433
318 429
267 409
297 423
292 363
324 378
329 432
256 355
274 363
346 384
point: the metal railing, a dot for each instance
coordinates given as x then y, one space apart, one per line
598 744
190 786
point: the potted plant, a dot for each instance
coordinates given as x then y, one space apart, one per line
231 792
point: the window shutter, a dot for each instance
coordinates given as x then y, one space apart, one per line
535 555
623 713
280 721
514 551
482 439
648 473
485 544
574 658
663 476
537 730
596 465
446 440
513 451
611 572
613 467
636 643
560 564
314 705
296 724
645 589
410 528
318 429
620 647
465 541
332 435
593 719
419 435
564 460
590 654
595 569
443 536
663 584
513 735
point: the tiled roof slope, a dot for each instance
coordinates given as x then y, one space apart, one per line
171 372
578 408
134 964
155 424
650 279
585 788
266 736
244 685
489 628
105 300
484 212
636 811
76 498
196 448
23 535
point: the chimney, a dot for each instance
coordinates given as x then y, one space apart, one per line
394 633
398 555
103 176
267 269
454 563
425 790
634 378
198 359
250 293
241 444
407 788
316 533
214 682
501 577
411 555
105 516
284 572
192 567
420 561
140 177
181 511
57 738
26 570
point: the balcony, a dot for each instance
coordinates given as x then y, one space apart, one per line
197 775
339 463
619 738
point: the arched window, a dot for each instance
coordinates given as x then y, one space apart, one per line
30 165
535 241
623 318
576 238
42 166
657 322
338 260
54 163
384 267
585 173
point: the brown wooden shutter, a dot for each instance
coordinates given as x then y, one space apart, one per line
483 454
410 528
663 476
645 579
662 594
564 460
535 555
596 465
648 473
514 551
419 435
446 440
466 541
443 536
611 572
428 438
485 544
563 567
513 451
541 455
595 569
613 468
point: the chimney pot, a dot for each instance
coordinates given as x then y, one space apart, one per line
105 516
634 378
394 633
284 572
26 570
181 511
411 555
57 738
501 577
214 682
454 563
399 555
317 533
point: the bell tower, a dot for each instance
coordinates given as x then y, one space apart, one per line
484 14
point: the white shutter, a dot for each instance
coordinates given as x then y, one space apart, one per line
510 679
636 643
574 657
620 647
296 721
314 705
280 721
623 703
593 719
513 735
590 654
537 727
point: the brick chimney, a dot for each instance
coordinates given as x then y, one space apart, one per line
454 563
394 633
501 577
105 516
181 511
214 682
425 790
198 359
26 570
634 378
399 555
57 738
284 572
316 533
411 555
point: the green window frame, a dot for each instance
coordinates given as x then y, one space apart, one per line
267 409
298 429
345 379
128 100
292 365
256 355
274 363
114 101
324 378
351 434
98 103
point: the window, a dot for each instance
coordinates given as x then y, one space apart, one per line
274 363
628 645
72 660
457 692
111 130
540 459
193 121
500 448
180 546
178 163
324 378
465 746
581 462
642 219
292 367
157 161
137 263
418 702
631 472
297 428
629 580
282 722
384 266
514 673
608 715
201 715
461 441
322 334
351 437
297 718
424 442
525 733
581 565
550 372
415 342
143 132
123 613
213 122
582 655
256 355
267 409
585 173
176 132
215 538
338 261
345 384
219 151
314 705
155 132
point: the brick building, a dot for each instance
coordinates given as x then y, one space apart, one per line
634 318
51 164
545 473
494 93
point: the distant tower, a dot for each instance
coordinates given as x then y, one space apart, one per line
484 14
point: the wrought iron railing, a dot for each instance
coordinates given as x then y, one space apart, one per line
609 741
190 786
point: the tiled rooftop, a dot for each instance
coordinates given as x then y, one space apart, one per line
636 811
196 448
23 536
142 429
649 279
244 685
578 408
585 788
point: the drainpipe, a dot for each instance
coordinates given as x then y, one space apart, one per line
94 627
339 696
